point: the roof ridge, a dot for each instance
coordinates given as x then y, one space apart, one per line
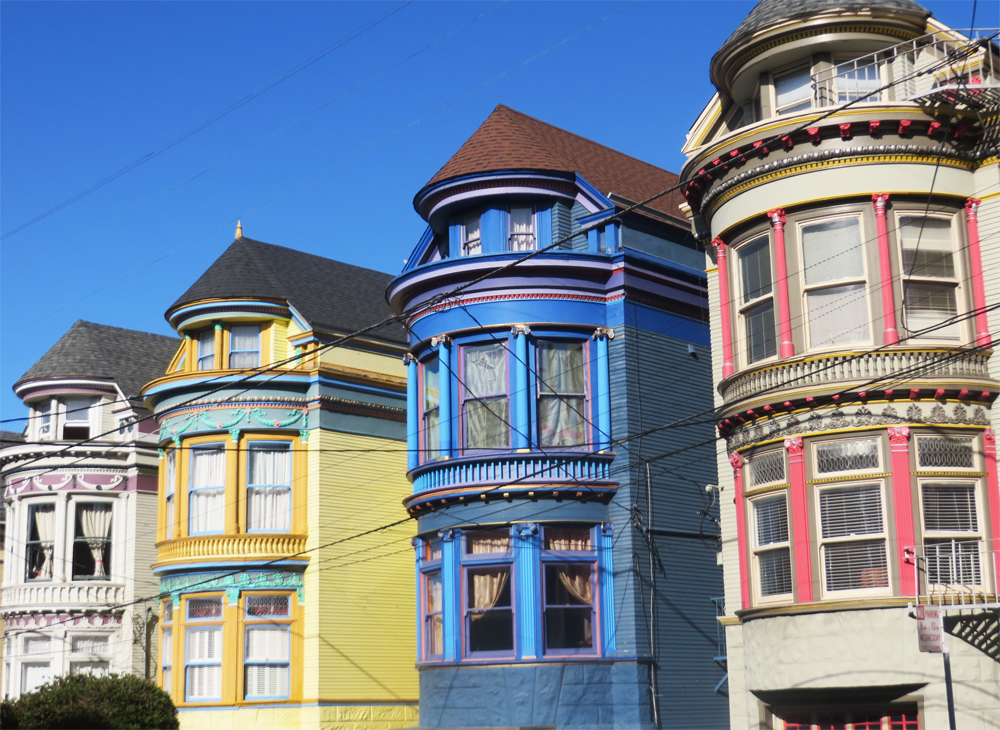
120 329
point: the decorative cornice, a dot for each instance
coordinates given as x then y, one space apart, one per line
231 583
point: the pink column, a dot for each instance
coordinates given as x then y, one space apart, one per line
741 532
983 338
902 497
800 519
891 334
786 349
724 309
993 488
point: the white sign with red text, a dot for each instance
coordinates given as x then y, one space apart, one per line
930 629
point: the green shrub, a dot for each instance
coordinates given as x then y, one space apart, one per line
8 715
115 702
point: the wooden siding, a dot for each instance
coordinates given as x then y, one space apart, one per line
364 360
359 629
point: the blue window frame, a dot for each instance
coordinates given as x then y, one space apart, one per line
267 647
562 393
244 346
488 594
569 591
269 486
207 490
485 400
432 599
203 649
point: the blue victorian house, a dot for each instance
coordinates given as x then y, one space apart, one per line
558 449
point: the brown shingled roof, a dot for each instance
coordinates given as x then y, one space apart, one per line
510 140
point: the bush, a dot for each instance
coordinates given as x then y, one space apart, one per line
8 715
115 702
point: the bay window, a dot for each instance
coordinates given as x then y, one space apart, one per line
267 657
244 346
431 416
522 229
793 90
206 350
489 609
432 599
206 491
562 394
92 541
569 572
485 404
39 546
203 658
269 487
930 277
472 243
836 296
757 305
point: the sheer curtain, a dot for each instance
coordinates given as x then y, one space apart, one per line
567 538
491 541
171 488
522 229
561 394
487 587
269 489
486 420
208 497
45 517
244 346
576 580
95 522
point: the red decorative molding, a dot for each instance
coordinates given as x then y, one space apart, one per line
761 147
814 135
800 518
933 128
959 130
904 127
890 333
845 130
873 127
741 532
786 348
728 368
787 142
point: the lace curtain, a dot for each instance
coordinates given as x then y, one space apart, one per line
95 524
486 419
493 541
269 491
561 394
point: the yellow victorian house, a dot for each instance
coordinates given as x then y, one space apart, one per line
282 451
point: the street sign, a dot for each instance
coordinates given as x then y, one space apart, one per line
930 629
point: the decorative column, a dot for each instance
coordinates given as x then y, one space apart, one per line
412 414
993 489
728 368
606 585
890 333
221 360
451 602
800 518
59 539
233 504
786 348
603 435
741 529
445 379
983 338
527 571
902 497
522 424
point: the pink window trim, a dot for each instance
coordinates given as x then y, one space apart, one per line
902 496
786 348
800 518
724 309
741 532
890 333
983 338
993 489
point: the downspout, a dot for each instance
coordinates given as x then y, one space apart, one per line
654 685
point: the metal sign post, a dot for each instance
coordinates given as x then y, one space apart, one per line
947 684
930 638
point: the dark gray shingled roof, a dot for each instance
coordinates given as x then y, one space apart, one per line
11 437
770 11
331 295
129 357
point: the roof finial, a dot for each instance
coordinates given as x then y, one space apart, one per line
239 229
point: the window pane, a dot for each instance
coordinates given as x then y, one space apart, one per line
567 538
950 507
771 516
767 468
775 572
37 644
855 565
838 314
486 423
522 227
432 393
167 648
267 643
268 492
206 350
89 645
568 585
266 681
491 622
485 370
855 83
953 562
569 607
855 510
927 306
434 593
487 541
34 676
168 684
471 243
244 346
432 434
489 587
92 544
204 682
857 455
560 367
491 631
793 90
946 451
561 421
94 669
268 606
761 340
207 495
755 265
78 410
927 247
204 608
41 528
832 250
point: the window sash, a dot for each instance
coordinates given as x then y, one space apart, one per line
206 491
854 83
950 507
431 389
767 468
522 229
44 415
269 491
489 613
206 350
244 346
853 541
793 90
433 614
949 452
845 456
568 607
761 336
471 235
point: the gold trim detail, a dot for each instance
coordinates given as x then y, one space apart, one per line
764 490
979 474
849 478
238 547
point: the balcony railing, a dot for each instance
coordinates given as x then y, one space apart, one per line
956 573
239 547
529 468
838 369
31 595
941 67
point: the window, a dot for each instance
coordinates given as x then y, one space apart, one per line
204 649
766 468
757 308
522 230
562 394
489 611
40 545
952 539
170 492
37 644
793 91
267 656
485 404
771 551
431 409
76 422
568 600
931 280
853 455
855 82
853 539
471 240
207 492
167 646
244 346
269 487
946 452
43 412
893 717
89 655
92 541
836 295
34 675
433 614
206 349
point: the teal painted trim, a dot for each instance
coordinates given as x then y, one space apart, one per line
603 436
522 413
527 569
605 577
543 226
445 386
451 600
412 417
232 584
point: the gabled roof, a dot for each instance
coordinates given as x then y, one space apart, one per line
11 437
510 140
332 296
128 357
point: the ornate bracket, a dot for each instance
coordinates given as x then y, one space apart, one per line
972 209
899 435
526 529
449 535
607 332
777 217
439 340
607 528
736 459
408 358
520 329
794 446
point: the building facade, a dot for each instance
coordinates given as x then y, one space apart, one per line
565 566
282 452
80 497
846 176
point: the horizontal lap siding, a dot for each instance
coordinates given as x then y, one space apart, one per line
359 643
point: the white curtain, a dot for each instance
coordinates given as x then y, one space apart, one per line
832 251
522 228
793 87
487 587
171 488
45 516
208 498
576 580
269 489
567 538
485 370
34 676
244 346
488 542
472 243
95 523
206 350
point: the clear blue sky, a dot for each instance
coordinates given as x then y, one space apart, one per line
88 88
